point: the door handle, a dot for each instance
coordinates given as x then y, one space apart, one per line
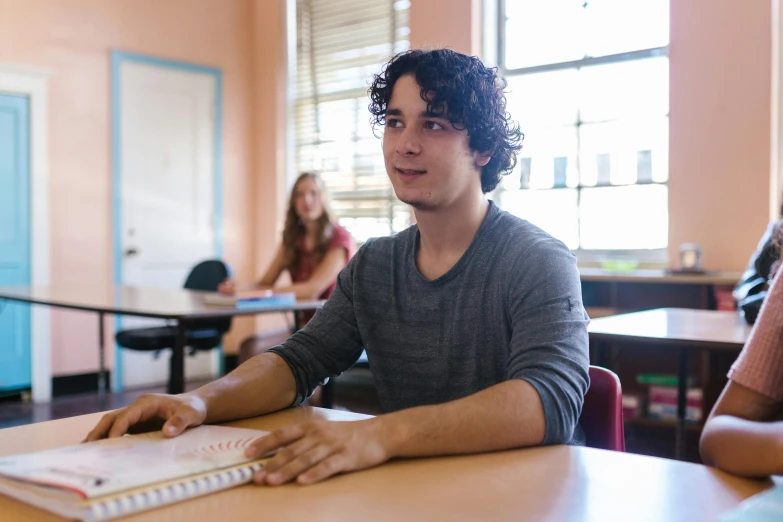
130 252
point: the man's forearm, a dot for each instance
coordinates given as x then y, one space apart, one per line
507 415
743 447
261 385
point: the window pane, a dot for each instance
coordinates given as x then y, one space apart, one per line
548 159
337 119
555 211
544 99
365 219
632 89
621 153
618 26
624 218
542 31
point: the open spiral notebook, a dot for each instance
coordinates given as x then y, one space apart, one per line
115 477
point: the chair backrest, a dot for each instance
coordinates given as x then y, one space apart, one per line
602 412
206 276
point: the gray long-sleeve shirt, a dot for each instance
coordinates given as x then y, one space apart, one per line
510 308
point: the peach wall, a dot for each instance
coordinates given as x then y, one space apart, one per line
720 124
455 24
74 38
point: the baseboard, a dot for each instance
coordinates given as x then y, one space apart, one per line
88 382
78 383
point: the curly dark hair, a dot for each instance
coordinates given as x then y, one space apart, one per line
469 94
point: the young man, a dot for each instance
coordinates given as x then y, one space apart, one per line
472 319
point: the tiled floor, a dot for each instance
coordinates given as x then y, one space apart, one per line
351 393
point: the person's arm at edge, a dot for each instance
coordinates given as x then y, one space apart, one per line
743 433
738 437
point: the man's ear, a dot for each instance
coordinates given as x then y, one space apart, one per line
480 159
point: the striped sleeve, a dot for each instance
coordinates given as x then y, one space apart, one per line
760 364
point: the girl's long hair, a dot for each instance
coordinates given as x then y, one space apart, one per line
294 229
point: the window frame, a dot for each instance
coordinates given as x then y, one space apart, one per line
657 256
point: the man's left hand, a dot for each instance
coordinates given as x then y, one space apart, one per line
316 450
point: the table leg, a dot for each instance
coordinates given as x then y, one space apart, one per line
101 359
297 319
177 362
682 399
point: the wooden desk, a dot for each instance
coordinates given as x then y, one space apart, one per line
558 483
688 328
606 293
658 276
679 328
182 306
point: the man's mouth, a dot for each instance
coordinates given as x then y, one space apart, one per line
410 172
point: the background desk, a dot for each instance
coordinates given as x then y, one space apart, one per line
184 307
682 330
558 483
608 293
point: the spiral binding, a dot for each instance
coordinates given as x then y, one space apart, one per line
151 498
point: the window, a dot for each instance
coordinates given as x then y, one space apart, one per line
588 82
340 45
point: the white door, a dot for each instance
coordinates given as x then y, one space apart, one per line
167 171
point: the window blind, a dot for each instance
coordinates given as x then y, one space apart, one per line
340 45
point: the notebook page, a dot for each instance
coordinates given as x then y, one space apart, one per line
113 465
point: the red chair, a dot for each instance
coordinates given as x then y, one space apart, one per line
602 412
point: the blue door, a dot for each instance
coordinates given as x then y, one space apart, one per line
14 240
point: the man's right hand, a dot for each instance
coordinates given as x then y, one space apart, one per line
176 412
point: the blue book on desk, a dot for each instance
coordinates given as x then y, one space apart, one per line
273 301
763 507
251 300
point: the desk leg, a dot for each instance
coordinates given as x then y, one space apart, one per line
101 360
682 398
297 320
177 362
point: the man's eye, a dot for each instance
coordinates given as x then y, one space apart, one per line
393 123
433 125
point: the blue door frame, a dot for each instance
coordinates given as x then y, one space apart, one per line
15 257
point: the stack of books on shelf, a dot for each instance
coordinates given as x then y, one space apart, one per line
662 398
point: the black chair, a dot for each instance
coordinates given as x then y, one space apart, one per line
357 377
206 335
